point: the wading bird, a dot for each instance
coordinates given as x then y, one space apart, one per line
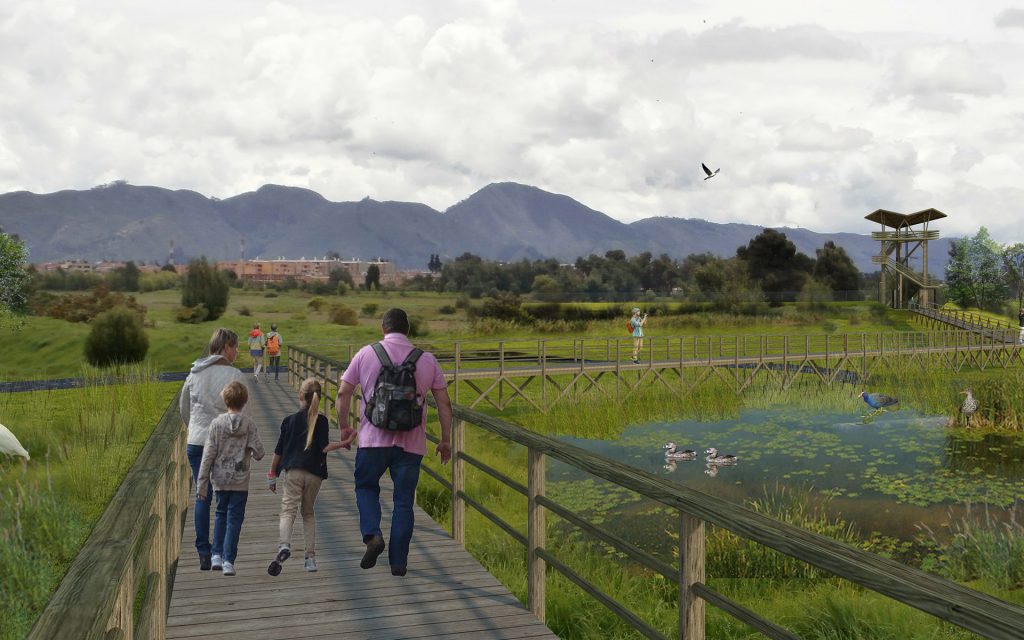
711 174
878 401
969 406
9 444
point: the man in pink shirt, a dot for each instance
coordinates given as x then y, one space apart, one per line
381 450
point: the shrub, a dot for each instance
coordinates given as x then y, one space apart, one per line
244 311
82 307
369 310
316 303
117 337
447 310
340 314
417 327
205 285
192 315
270 294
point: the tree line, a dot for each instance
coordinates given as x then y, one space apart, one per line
982 273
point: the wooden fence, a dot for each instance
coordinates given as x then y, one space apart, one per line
541 373
945 600
119 585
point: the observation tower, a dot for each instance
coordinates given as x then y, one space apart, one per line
900 242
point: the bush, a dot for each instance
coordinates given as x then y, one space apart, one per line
206 286
244 311
192 315
369 310
447 310
316 303
82 307
340 314
270 294
117 337
417 327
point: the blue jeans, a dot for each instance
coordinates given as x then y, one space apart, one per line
227 523
371 462
202 509
275 364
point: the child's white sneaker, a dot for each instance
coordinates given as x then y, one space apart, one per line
229 569
216 562
311 564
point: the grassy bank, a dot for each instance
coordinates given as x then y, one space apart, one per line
82 442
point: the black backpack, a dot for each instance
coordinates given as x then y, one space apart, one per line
394 405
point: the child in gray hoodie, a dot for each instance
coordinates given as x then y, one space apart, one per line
233 439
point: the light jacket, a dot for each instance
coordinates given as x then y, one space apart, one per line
233 440
200 400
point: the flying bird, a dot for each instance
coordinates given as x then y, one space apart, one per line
878 401
10 445
969 407
711 174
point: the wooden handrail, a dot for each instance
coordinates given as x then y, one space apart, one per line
941 598
132 550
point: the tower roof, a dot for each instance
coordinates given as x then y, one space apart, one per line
900 220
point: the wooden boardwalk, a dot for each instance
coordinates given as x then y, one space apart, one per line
446 594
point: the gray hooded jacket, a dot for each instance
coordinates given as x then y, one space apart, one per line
200 400
233 440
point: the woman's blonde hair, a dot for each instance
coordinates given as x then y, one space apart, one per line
220 340
310 393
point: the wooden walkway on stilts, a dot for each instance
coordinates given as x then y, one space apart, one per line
446 594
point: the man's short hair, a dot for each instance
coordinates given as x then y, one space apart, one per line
235 395
395 321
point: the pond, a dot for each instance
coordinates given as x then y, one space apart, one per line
884 474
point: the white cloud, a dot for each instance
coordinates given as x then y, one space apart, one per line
815 116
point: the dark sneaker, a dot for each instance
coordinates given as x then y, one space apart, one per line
204 563
275 565
398 571
374 548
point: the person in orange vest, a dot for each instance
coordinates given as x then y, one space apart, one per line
273 343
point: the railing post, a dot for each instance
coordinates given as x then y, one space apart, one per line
691 572
458 482
536 530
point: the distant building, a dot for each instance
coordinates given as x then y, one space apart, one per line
311 269
82 266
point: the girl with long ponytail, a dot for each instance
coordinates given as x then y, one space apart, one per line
300 459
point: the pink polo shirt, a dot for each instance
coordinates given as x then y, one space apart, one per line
363 372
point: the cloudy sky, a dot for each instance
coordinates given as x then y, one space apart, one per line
817 112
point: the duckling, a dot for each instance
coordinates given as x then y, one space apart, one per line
714 458
672 454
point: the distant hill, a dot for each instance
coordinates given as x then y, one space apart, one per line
502 221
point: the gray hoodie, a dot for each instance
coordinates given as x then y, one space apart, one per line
200 400
233 440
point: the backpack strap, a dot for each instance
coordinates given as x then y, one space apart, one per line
410 360
382 355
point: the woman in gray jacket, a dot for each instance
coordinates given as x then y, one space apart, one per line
199 404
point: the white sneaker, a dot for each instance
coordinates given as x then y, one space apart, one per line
310 564
216 562
229 569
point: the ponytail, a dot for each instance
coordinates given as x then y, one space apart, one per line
310 392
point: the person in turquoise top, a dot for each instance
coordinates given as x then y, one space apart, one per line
637 322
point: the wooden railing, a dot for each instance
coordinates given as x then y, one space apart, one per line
969 321
945 600
119 585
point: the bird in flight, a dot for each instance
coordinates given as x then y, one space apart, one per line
711 174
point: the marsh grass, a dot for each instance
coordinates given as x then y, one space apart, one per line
984 544
82 442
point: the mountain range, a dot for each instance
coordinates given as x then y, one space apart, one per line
502 221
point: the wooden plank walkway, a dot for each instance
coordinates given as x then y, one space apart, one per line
446 594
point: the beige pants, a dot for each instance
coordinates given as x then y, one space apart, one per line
300 486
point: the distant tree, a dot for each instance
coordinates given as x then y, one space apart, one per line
773 261
834 267
1013 259
341 275
14 276
169 267
373 277
205 285
435 265
333 255
124 278
117 337
976 272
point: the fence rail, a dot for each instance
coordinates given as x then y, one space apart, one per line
945 600
119 585
541 373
